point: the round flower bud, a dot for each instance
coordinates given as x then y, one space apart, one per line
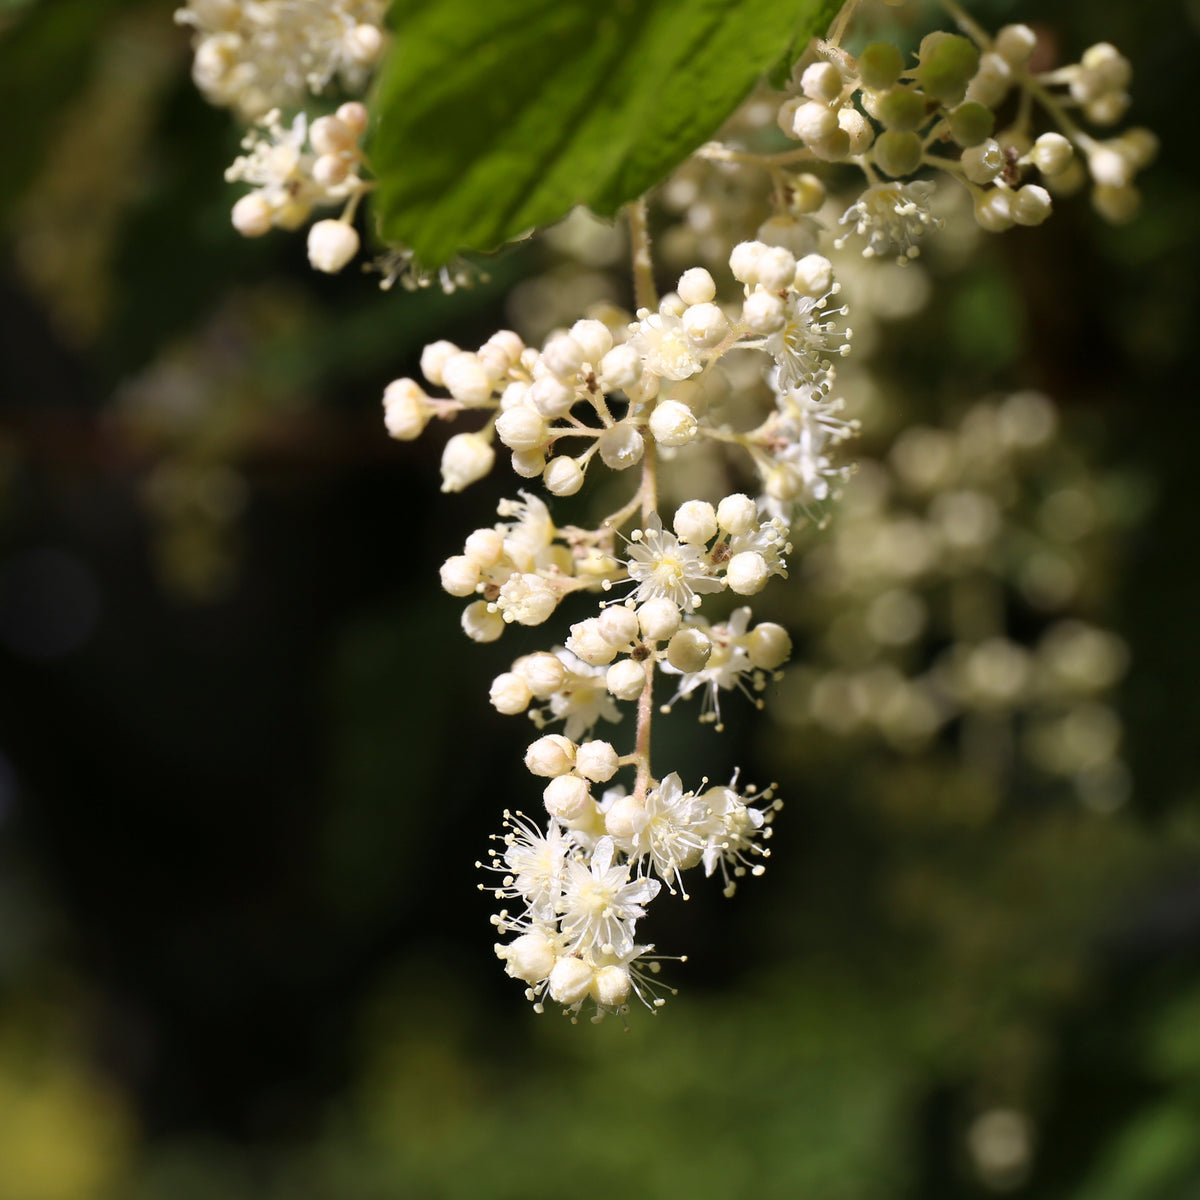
1139 146
808 194
484 547
566 797
354 114
821 81
570 980
406 409
465 379
814 275
814 123
1031 205
981 164
481 624
551 397
252 215
550 756
529 464
620 368
901 109
706 325
747 573
971 123
658 618
466 458
596 761
594 338
365 43
510 694
621 446
460 576
993 210
737 514
695 521
743 261
544 672
1052 154
689 650
529 957
625 819
776 268
618 625
495 364
331 245
329 170
673 424
331 135
611 985
527 599
857 128
947 63
880 65
625 679
563 476
897 153
696 286
563 356
434 358
991 82
763 313
521 428
587 642
1015 44
769 646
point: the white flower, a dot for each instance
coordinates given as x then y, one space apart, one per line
582 700
663 343
802 348
728 666
664 567
600 904
729 831
892 217
531 864
665 832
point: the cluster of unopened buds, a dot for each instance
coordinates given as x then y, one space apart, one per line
633 395
893 120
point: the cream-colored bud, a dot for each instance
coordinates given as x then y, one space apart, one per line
814 275
530 957
253 215
620 368
814 123
747 573
466 458
480 623
544 672
706 325
696 286
743 261
354 114
658 618
521 428
695 522
459 575
625 679
563 476
1031 205
763 313
465 379
981 164
673 424
484 547
807 194
434 358
1015 44
331 245
570 980
406 409
550 756
563 356
993 210
821 81
551 397
510 694
529 464
769 645
566 797
331 135
596 761
618 625
625 819
594 338
621 446
776 268
527 599
611 985
588 643
1052 153
689 650
737 514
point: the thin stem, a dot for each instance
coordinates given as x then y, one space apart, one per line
645 714
644 292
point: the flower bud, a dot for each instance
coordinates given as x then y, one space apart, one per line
550 756
465 379
625 679
620 368
588 643
331 245
480 623
1031 205
696 286
563 355
769 645
406 409
747 573
763 313
673 424
695 521
434 358
897 153
459 575
570 980
621 446
521 428
737 514
510 694
566 797
596 761
253 215
529 957
563 476
880 65
466 458
689 650
706 325
594 338
544 672
658 618
618 625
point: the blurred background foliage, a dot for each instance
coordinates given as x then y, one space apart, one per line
247 761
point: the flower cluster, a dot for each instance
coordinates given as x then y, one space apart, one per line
256 55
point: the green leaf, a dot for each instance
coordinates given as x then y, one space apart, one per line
495 118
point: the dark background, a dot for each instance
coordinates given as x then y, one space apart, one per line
247 761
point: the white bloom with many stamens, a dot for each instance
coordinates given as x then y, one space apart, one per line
892 217
666 568
600 904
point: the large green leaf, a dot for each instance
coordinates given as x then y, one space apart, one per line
496 116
